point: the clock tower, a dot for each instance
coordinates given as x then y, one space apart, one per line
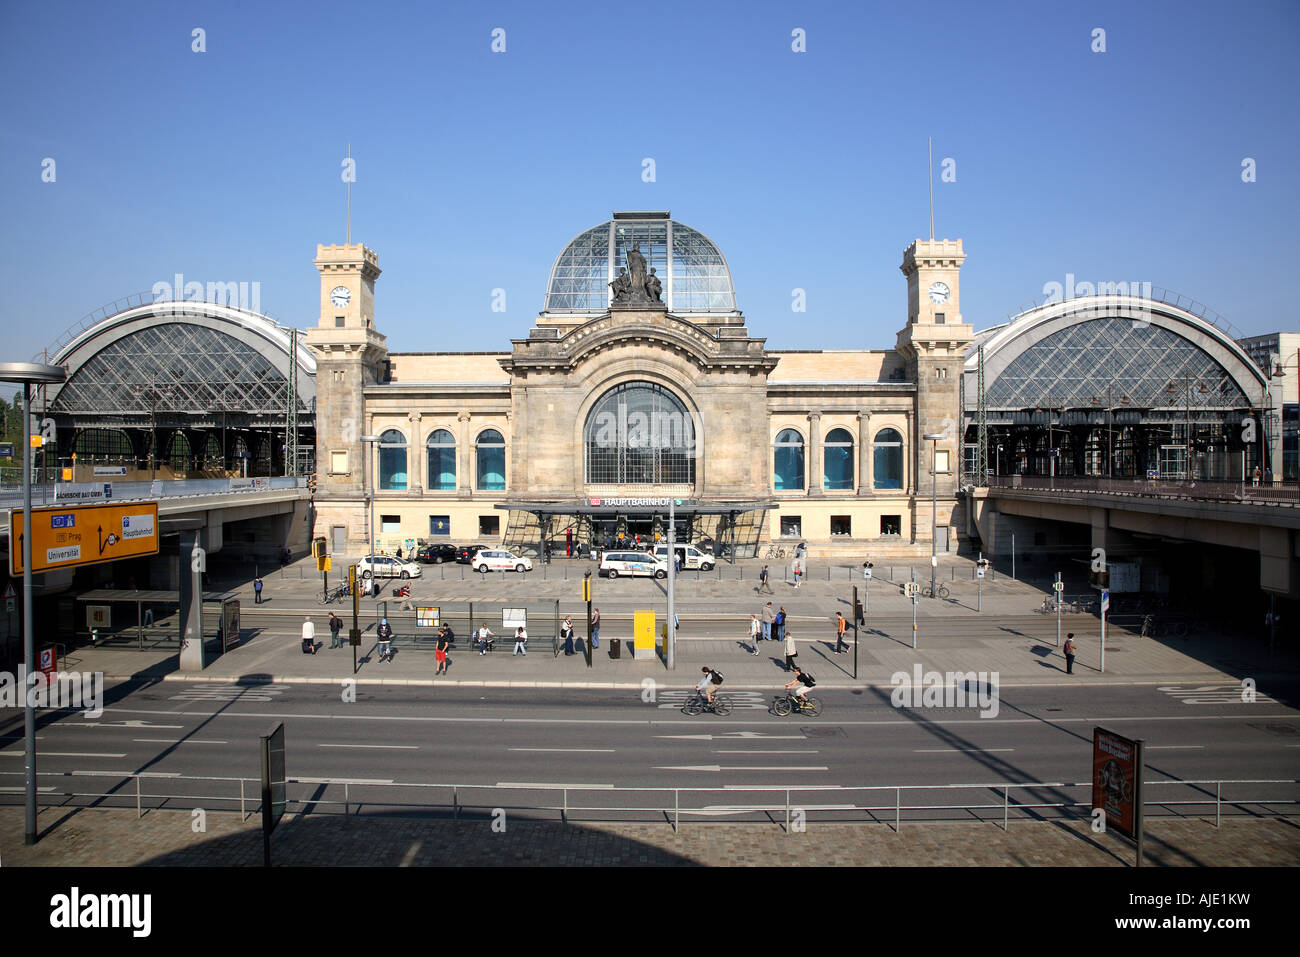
933 343
350 354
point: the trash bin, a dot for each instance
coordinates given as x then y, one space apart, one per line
615 647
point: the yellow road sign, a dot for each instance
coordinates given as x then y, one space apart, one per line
323 563
65 536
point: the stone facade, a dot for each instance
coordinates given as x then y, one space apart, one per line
864 410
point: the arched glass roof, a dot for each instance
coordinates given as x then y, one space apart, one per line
177 367
1074 367
694 272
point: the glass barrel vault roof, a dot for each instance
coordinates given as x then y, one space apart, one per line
693 270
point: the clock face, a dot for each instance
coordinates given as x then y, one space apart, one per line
938 293
340 296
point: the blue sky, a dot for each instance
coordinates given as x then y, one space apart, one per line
808 169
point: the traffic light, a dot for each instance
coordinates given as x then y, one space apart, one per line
318 548
586 586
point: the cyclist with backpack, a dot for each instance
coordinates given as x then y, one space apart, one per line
800 683
708 684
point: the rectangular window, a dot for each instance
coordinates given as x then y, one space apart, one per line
791 526
941 461
941 373
390 524
489 526
841 525
339 462
939 318
891 525
439 524
338 322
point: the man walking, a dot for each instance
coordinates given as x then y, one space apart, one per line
385 634
791 653
778 623
840 626
1069 653
862 618
336 626
595 628
768 618
257 590
754 631
763 582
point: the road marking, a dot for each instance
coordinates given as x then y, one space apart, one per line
136 724
568 750
960 750
64 754
386 747
736 735
1176 747
1214 694
16 790
544 785
341 780
173 741
767 752
714 767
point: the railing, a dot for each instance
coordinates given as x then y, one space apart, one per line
48 494
1154 488
460 799
1145 291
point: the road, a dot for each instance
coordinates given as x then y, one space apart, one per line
601 739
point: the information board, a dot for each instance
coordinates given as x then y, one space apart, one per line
66 536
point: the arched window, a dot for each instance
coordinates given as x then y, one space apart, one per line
787 461
837 459
392 461
491 450
441 449
179 452
639 433
888 459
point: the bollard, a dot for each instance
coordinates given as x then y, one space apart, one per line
787 812
138 813
242 815
898 804
676 807
345 800
1006 790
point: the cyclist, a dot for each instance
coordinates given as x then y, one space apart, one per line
708 684
800 684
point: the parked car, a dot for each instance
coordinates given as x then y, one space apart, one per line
498 559
436 554
382 566
615 563
691 556
465 553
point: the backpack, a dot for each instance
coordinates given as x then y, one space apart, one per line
717 677
808 680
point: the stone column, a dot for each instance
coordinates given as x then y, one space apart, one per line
415 457
864 453
815 461
193 561
464 457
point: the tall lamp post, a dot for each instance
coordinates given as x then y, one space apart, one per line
933 438
29 374
1202 389
370 440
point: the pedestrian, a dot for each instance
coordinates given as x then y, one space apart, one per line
862 618
778 624
308 636
595 628
840 626
385 634
398 556
769 617
677 561
754 631
763 582
1069 653
440 655
521 642
566 632
485 636
1255 477
791 653
336 627
257 590
446 634
798 569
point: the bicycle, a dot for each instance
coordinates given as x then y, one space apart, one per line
698 704
775 552
786 704
1048 607
941 592
337 593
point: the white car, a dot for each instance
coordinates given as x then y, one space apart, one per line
614 564
498 559
691 556
381 566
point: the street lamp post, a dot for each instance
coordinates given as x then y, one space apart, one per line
370 498
29 374
933 438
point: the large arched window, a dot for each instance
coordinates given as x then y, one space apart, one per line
837 475
787 461
441 450
887 467
491 451
392 461
639 434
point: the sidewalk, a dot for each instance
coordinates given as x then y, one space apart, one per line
115 838
951 636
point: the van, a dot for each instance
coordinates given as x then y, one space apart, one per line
616 563
691 556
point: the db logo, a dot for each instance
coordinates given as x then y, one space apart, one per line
595 502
